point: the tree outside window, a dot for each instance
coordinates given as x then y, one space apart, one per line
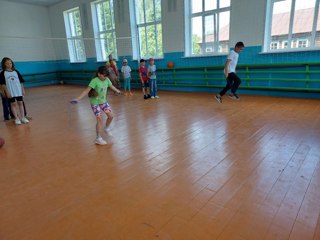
149 28
104 29
76 47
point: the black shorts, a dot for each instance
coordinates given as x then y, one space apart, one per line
145 84
13 99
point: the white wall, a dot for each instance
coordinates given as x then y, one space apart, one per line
173 25
24 32
39 23
58 27
123 29
247 22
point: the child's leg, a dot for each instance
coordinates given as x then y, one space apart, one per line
21 109
98 125
143 88
109 119
125 85
129 84
107 110
155 88
236 84
14 110
97 112
24 109
147 84
5 107
118 83
151 87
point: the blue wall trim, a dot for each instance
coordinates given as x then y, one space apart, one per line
250 55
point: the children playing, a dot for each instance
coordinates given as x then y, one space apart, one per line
98 99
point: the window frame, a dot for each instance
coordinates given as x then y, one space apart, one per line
73 39
216 23
100 42
135 27
292 46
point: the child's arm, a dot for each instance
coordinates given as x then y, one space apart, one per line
140 75
226 66
22 88
6 91
84 93
115 89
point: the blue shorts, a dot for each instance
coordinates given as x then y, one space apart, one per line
99 108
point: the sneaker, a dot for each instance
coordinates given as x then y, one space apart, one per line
107 130
157 96
17 121
24 120
145 97
152 97
28 117
100 141
234 96
218 98
149 96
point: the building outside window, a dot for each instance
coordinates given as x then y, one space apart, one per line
207 25
274 45
295 24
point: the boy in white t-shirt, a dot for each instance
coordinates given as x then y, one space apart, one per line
126 74
233 81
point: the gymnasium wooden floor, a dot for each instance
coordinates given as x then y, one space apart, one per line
180 167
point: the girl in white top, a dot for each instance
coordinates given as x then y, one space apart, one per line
126 74
12 82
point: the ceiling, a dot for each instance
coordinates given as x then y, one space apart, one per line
45 3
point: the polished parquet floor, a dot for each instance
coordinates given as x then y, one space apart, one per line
180 167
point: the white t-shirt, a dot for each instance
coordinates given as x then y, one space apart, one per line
152 70
126 71
13 81
233 56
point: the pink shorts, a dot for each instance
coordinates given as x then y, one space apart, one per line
99 108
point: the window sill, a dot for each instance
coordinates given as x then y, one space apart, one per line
207 56
291 50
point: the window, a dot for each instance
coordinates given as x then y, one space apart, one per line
104 29
285 44
72 23
295 23
207 26
302 43
146 28
274 45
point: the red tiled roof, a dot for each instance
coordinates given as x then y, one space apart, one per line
303 21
